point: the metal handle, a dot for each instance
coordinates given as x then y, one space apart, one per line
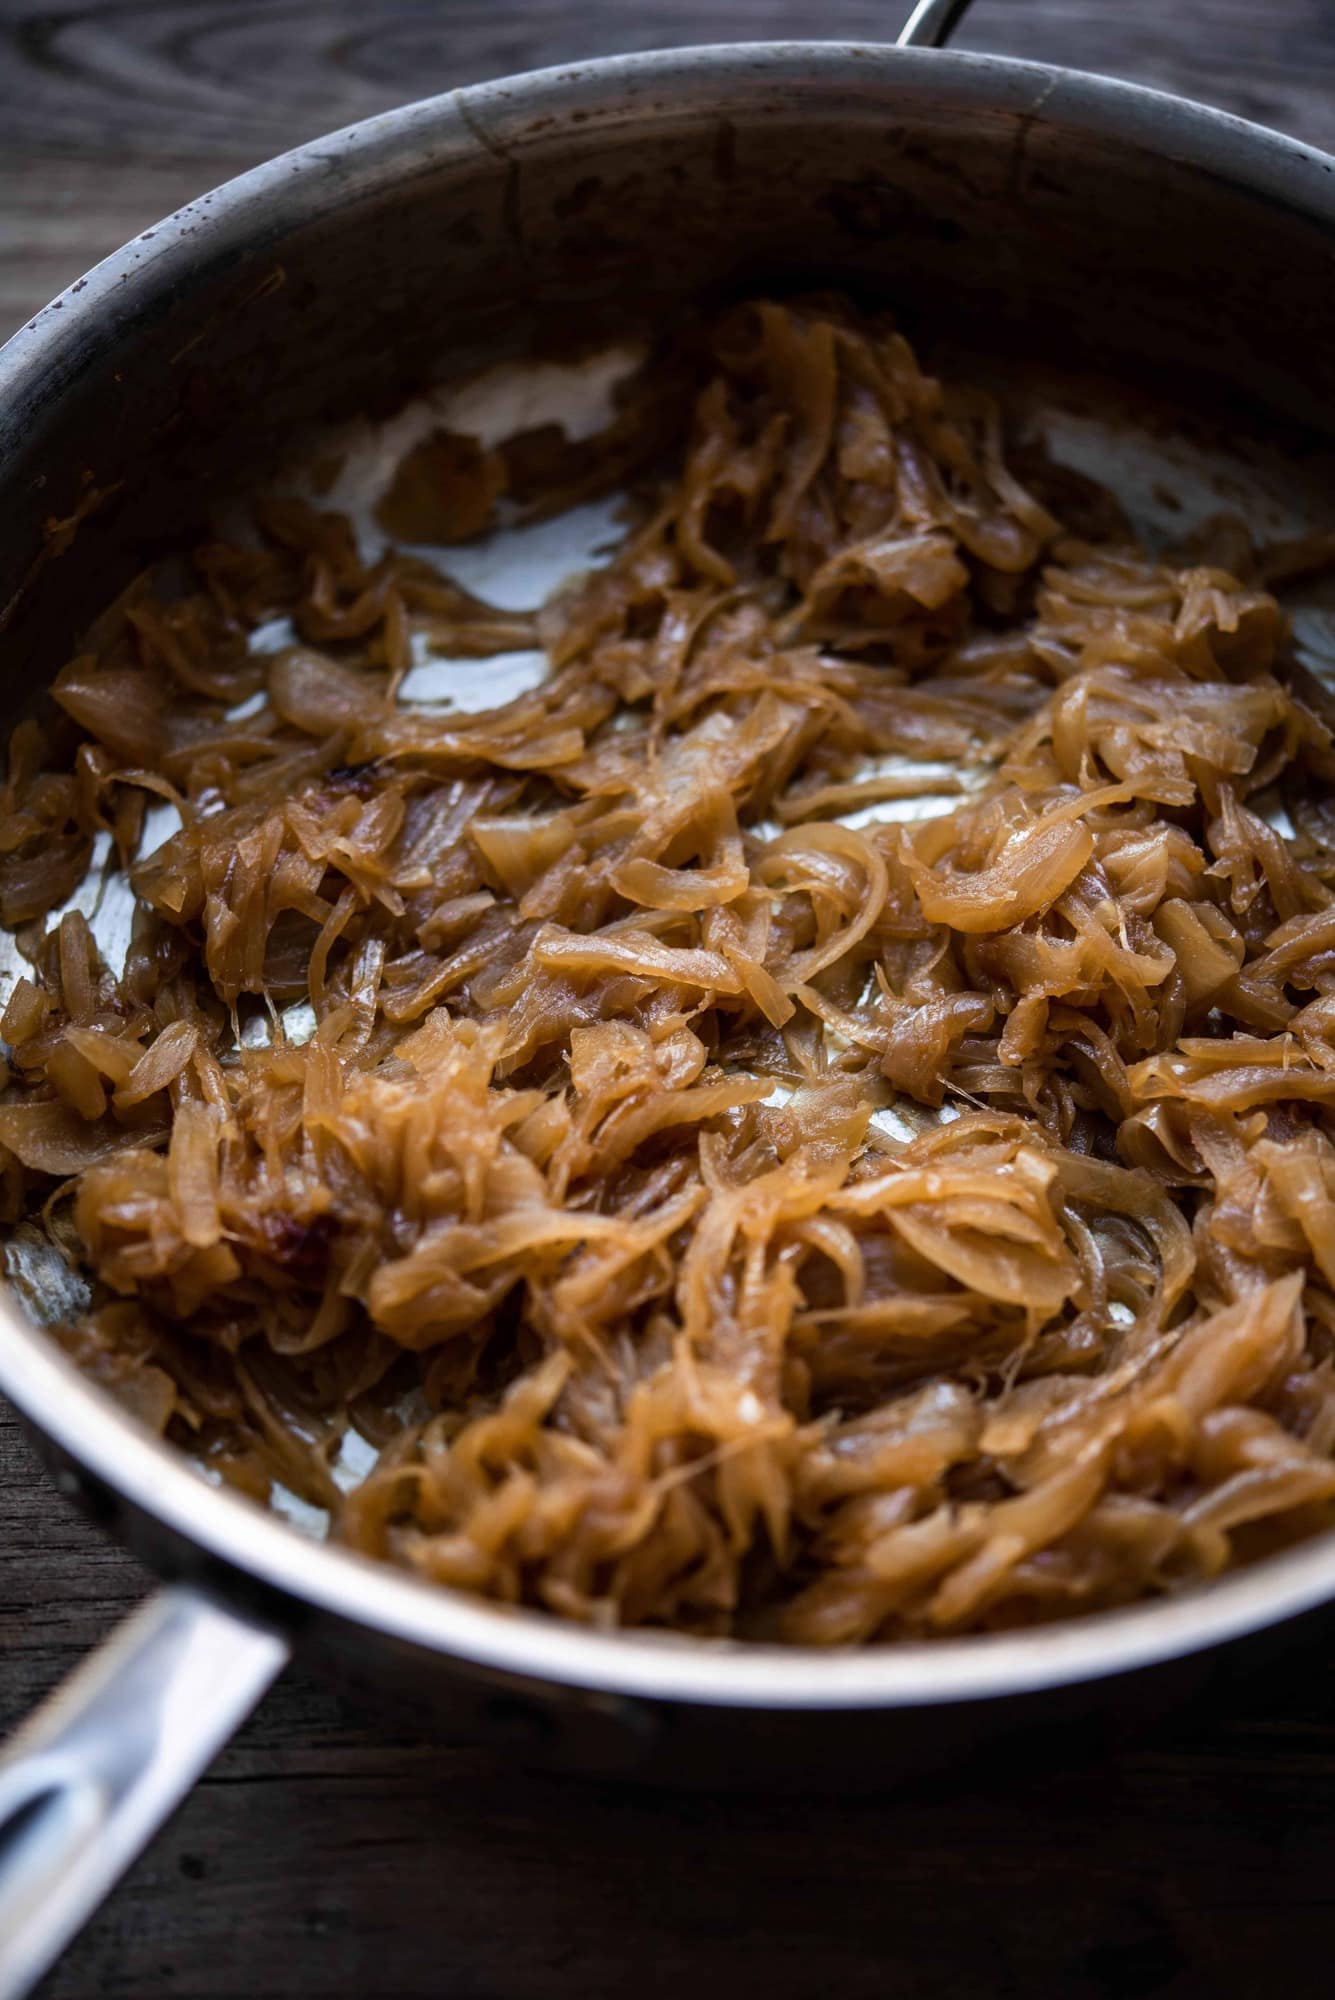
90 1777
932 23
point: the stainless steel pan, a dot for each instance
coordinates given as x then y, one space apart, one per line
1036 207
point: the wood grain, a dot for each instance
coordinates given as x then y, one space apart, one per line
328 1854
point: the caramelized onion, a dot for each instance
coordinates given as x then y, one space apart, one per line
700 1210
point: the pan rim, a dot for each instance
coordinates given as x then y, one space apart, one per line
273 1571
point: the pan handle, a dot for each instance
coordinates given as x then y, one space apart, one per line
932 23
94 1772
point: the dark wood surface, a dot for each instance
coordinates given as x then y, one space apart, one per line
331 1854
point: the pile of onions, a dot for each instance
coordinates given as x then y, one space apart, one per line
710 1212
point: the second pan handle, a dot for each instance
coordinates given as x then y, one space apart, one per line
96 1770
932 23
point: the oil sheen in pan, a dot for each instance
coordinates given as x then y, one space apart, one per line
1165 482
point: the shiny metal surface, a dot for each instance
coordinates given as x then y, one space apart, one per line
1034 203
932 23
479 136
97 1769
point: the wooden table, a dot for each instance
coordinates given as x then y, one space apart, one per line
327 1855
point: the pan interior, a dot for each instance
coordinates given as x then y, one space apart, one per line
1169 477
